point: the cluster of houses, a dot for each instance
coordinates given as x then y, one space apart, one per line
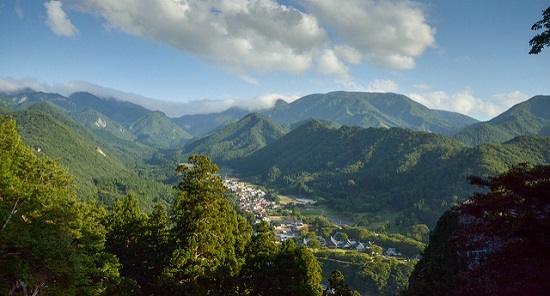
250 199
290 229
254 201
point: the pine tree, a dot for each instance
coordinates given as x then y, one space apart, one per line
126 237
261 254
207 233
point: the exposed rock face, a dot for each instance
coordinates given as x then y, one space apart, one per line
100 151
101 123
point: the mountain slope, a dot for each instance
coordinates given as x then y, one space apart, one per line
345 108
239 139
96 121
202 124
26 98
414 175
370 110
43 132
122 112
103 171
531 117
157 130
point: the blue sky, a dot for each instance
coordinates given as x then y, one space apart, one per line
197 56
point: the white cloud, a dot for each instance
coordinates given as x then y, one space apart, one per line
239 35
170 108
465 102
328 63
10 85
509 99
261 102
423 86
383 86
58 21
386 33
263 35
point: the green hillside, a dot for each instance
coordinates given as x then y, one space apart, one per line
239 139
531 117
26 98
99 175
122 112
370 110
96 121
157 130
345 108
415 176
4 109
203 124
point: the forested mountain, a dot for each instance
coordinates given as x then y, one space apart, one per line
369 110
203 124
51 242
345 108
237 140
416 175
157 130
98 166
531 117
153 128
96 121
28 97
377 160
123 112
4 109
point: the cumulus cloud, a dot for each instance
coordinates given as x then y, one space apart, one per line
385 33
263 35
57 19
465 102
328 63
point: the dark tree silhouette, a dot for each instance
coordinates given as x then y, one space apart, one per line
541 40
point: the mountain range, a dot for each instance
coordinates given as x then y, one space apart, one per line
373 156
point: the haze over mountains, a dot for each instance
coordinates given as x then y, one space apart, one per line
360 153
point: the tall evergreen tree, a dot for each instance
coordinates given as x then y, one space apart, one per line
207 233
126 237
297 272
337 285
261 254
157 250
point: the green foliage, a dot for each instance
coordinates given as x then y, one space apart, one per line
157 130
208 235
415 176
99 177
439 269
239 139
494 244
369 275
50 243
337 285
541 40
140 242
296 265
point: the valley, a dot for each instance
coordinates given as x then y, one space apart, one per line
375 169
